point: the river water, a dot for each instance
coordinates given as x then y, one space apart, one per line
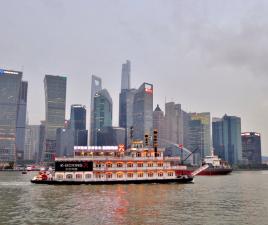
239 198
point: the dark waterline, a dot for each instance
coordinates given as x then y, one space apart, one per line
240 198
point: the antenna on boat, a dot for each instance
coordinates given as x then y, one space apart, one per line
131 135
155 141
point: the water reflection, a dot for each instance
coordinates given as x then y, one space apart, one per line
241 198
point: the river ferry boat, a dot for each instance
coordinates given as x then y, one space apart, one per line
114 165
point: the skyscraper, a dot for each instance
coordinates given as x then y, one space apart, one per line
125 75
78 124
186 119
103 112
174 123
10 90
78 117
159 125
110 136
32 137
65 139
126 102
143 111
42 132
251 148
55 96
96 85
199 135
21 120
226 134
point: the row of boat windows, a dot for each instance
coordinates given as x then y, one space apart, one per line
110 175
109 165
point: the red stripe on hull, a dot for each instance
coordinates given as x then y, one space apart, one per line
207 172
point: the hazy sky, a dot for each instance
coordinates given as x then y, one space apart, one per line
206 55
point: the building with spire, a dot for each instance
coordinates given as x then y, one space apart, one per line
159 125
126 102
102 114
96 86
125 75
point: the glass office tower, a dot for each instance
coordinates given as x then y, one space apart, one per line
21 121
143 111
78 124
103 112
96 85
10 87
226 134
55 100
126 102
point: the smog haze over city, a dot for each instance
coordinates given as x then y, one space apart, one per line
210 56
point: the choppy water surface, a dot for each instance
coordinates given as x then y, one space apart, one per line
240 198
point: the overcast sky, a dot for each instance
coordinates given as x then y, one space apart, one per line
207 55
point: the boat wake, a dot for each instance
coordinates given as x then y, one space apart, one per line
15 183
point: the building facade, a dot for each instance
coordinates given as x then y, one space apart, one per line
173 123
199 135
251 148
159 125
103 112
10 99
32 138
126 102
65 142
55 102
111 136
226 135
78 124
143 111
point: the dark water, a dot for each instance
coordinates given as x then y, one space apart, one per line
240 198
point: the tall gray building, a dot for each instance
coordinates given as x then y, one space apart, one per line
32 138
125 75
96 85
55 96
159 125
78 124
42 132
11 90
143 111
199 135
126 102
186 120
65 138
103 113
21 120
173 123
226 134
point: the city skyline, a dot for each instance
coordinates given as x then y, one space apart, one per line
191 52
